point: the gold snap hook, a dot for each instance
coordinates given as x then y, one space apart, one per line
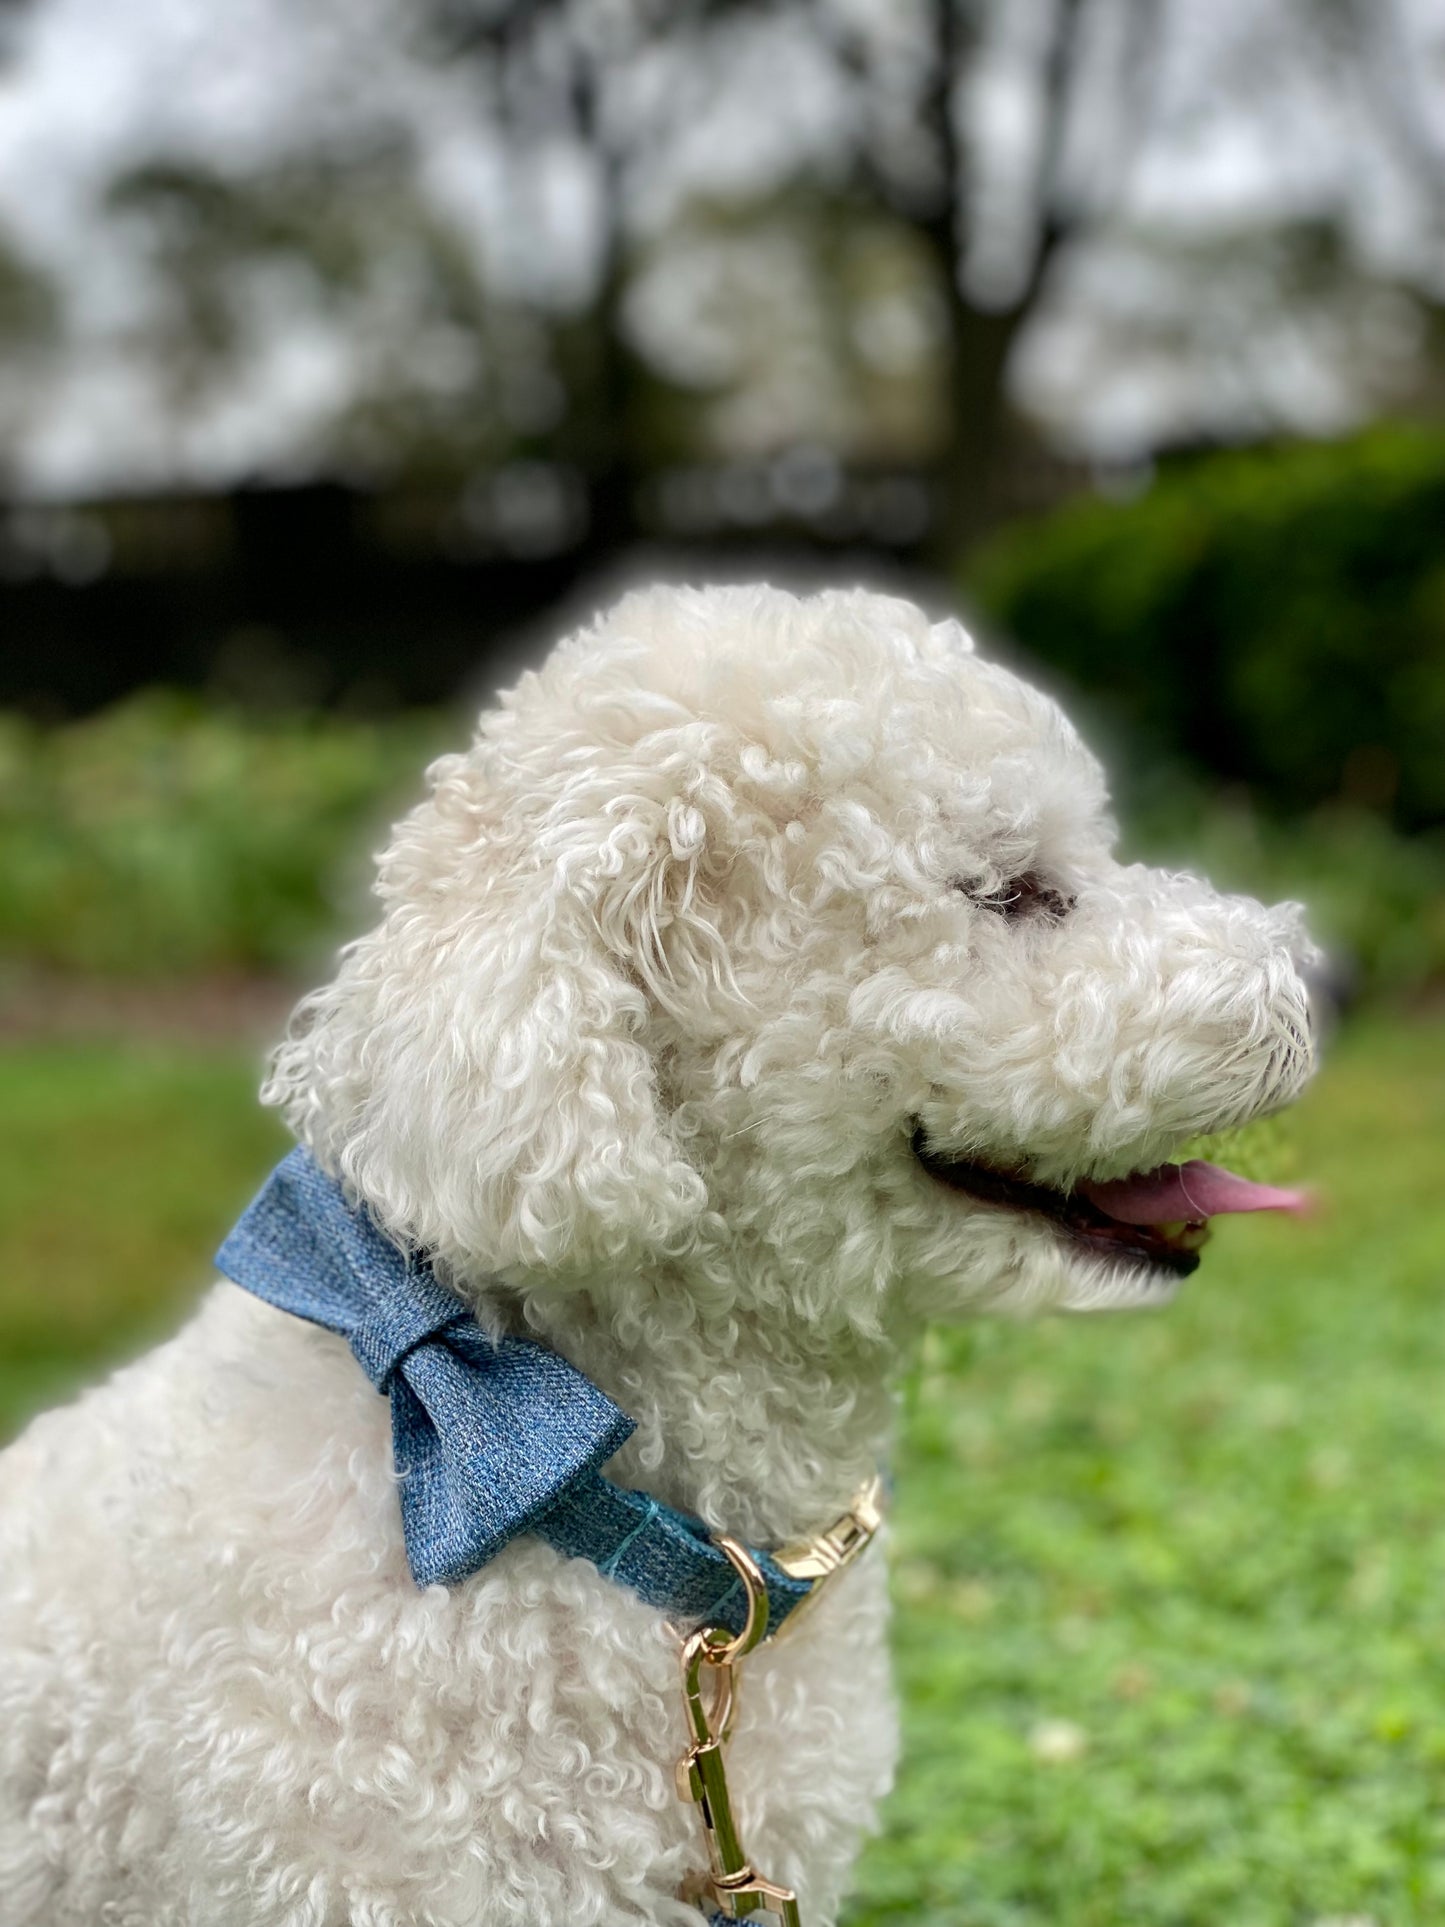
708 1722
737 1889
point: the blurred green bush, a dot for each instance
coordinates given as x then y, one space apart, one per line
1274 617
163 838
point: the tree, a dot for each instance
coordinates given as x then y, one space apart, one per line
1064 241
560 70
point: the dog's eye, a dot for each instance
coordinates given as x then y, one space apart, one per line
1029 895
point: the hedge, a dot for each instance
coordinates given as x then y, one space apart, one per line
162 838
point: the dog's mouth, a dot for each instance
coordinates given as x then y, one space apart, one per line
1154 1219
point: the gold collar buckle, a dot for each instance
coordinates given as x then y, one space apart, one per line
839 1544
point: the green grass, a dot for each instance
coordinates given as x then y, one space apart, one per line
1170 1586
123 1166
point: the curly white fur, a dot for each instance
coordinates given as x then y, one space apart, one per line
672 962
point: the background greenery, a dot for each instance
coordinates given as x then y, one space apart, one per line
162 839
1169 1584
1258 644
1273 616
165 838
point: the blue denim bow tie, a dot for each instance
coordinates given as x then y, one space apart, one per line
491 1438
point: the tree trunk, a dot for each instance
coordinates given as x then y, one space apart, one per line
981 340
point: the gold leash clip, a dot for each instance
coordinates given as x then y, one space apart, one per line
732 1884
736 1888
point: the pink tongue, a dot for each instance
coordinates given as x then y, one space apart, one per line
1184 1191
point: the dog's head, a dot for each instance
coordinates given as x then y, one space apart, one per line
782 940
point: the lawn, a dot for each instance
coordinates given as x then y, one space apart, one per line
1168 1586
123 1167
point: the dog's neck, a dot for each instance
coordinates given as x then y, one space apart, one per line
763 1425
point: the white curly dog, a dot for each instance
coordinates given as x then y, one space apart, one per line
758 986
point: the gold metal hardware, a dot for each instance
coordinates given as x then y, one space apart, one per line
832 1550
737 1889
755 1625
839 1544
732 1885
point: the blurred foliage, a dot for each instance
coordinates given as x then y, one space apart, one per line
439 366
167 1142
165 838
802 318
28 308
162 838
1275 617
32 330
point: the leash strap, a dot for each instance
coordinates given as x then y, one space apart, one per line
491 1437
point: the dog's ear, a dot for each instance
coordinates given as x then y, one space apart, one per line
480 1071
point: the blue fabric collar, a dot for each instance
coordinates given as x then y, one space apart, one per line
491 1438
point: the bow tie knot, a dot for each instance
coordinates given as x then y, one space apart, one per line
391 1333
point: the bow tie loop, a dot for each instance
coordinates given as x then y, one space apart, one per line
401 1322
